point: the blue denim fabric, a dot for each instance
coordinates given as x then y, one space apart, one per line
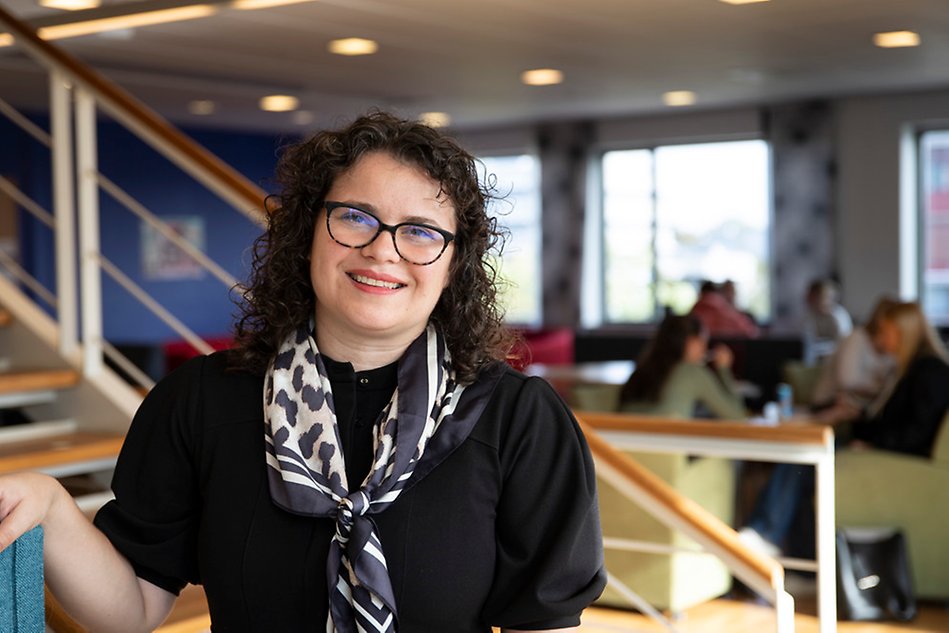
22 608
780 501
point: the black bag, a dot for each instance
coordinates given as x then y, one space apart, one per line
874 581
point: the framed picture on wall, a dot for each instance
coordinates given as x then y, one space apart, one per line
162 259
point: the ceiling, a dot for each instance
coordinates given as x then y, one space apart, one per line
464 57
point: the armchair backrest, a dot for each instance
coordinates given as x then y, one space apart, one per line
941 445
21 584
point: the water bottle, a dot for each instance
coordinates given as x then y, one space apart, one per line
785 400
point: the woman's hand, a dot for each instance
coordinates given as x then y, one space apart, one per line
27 500
95 584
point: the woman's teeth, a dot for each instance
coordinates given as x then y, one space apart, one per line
369 281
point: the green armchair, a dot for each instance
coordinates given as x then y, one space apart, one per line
677 581
881 488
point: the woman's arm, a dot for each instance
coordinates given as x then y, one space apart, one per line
95 584
572 629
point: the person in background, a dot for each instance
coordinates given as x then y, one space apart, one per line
825 323
719 317
729 290
364 459
671 378
858 370
913 410
905 419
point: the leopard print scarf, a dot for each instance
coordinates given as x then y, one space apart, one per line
425 420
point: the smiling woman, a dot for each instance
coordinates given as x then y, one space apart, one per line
364 459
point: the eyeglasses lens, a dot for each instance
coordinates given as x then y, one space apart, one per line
356 228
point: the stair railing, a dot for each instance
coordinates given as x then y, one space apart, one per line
606 433
76 94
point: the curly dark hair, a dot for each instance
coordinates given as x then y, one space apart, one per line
280 297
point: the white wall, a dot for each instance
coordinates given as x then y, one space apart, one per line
869 231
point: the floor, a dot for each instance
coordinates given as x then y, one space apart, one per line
736 616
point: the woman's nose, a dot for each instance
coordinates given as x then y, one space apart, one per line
382 248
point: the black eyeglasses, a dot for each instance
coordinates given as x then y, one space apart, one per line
418 244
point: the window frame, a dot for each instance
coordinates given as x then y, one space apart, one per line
598 317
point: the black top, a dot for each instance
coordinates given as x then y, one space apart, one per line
914 411
505 532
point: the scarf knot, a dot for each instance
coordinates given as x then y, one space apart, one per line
350 507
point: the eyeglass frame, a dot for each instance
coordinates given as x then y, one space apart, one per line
391 229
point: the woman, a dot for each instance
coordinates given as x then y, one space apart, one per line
397 477
913 411
858 369
905 419
671 377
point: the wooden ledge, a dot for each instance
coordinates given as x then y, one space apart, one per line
37 380
791 432
58 450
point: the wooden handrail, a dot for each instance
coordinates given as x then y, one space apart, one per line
790 433
661 500
221 177
37 379
58 450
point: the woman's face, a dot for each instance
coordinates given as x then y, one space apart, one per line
696 347
888 337
370 294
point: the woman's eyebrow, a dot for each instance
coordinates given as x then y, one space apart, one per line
414 218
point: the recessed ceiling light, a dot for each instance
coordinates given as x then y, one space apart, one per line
6 39
279 103
435 119
70 5
677 98
353 46
202 107
542 77
742 1
896 39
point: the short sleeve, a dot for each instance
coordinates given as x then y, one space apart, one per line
549 561
153 519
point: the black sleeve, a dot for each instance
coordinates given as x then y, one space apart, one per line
153 519
912 416
549 563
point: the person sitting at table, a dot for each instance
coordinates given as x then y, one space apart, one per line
825 323
858 369
904 419
719 316
671 378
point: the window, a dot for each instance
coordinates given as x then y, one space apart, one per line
677 214
934 224
518 210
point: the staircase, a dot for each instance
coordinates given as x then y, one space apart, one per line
63 410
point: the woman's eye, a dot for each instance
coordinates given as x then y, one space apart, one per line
420 233
356 217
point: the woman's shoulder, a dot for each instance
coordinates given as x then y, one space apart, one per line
521 404
201 386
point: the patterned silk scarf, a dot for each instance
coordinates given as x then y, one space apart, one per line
425 420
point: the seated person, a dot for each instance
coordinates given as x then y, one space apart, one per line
671 378
719 316
905 419
826 322
857 370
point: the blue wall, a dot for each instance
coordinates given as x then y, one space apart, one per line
202 304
